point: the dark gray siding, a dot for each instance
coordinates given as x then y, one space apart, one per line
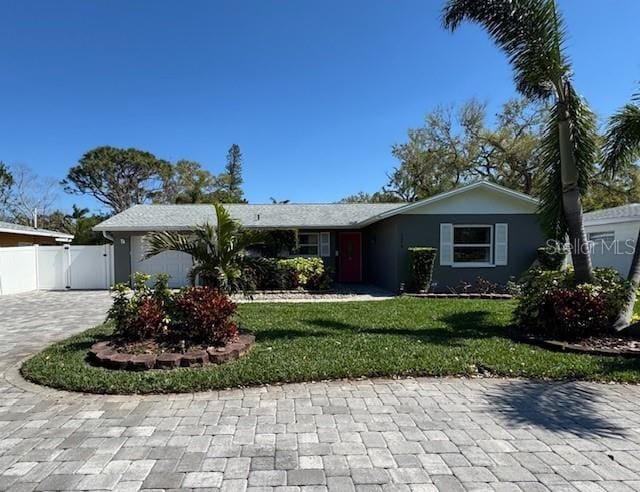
380 250
388 257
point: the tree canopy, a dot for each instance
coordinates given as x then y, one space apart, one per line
461 144
118 178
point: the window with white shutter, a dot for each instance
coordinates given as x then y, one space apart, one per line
446 244
325 244
502 244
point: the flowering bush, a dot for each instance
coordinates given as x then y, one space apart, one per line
550 304
203 315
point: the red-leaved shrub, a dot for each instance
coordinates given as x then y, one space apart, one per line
146 321
203 315
575 313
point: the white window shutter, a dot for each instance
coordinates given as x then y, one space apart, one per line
325 244
501 244
446 244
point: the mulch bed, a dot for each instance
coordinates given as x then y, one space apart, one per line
148 356
608 345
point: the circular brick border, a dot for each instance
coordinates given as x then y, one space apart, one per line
572 348
103 354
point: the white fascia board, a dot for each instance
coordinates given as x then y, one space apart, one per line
448 194
37 233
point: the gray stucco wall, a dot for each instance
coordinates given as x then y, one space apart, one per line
389 239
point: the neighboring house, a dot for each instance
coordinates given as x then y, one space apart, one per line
480 230
612 233
19 235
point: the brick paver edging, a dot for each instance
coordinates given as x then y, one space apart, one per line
104 354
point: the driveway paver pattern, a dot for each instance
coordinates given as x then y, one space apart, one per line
371 435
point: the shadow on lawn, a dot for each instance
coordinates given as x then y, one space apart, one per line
457 328
565 406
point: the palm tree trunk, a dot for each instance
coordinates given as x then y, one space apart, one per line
626 313
571 202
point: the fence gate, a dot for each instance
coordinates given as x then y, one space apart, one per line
75 267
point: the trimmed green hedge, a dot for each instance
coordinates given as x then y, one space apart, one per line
421 262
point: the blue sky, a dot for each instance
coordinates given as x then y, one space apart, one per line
314 92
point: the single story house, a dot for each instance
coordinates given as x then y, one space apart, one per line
612 233
20 235
481 230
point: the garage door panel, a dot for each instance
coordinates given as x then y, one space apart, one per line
174 263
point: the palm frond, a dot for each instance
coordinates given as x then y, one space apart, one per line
622 138
584 147
530 32
159 242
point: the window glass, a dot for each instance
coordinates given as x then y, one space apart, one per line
308 243
472 235
472 244
471 254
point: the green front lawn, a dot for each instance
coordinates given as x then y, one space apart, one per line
304 342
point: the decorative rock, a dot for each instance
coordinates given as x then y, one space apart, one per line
168 360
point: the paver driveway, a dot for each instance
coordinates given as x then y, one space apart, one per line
413 434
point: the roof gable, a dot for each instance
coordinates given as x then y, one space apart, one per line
481 197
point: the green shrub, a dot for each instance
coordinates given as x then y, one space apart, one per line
421 262
199 315
307 273
545 293
552 255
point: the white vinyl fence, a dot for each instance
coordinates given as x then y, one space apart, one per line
27 268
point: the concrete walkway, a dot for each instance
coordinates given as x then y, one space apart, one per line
412 434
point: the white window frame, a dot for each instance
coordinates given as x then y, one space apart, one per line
477 264
316 245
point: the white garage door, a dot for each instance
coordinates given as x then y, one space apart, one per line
177 265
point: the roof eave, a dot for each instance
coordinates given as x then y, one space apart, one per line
36 233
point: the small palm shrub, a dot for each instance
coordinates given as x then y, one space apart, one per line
203 315
551 305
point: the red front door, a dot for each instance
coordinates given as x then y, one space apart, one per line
350 257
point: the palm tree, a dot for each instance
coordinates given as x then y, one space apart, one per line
218 251
622 149
531 34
